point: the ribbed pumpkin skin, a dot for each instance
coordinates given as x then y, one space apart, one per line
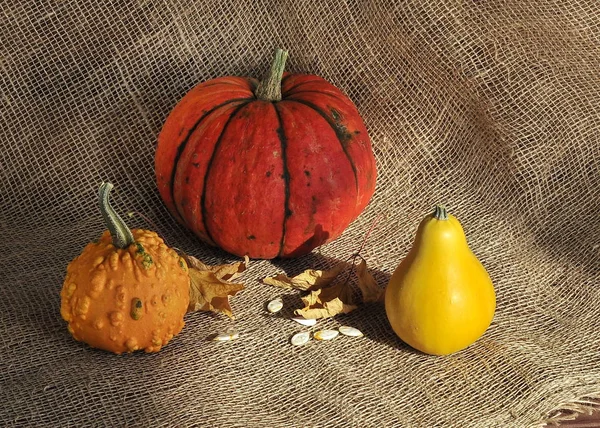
260 178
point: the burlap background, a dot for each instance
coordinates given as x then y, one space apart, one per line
489 106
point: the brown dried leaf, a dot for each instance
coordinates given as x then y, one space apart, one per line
231 271
227 272
327 302
193 262
210 293
367 284
310 279
210 289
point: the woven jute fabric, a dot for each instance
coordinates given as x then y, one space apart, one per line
490 107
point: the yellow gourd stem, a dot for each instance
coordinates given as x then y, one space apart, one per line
269 89
121 235
440 212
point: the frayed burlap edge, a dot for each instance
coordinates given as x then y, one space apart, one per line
570 410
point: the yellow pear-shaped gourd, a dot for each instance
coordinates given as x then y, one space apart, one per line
440 299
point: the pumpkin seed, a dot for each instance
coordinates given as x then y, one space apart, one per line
275 306
350 331
305 321
326 334
301 338
224 337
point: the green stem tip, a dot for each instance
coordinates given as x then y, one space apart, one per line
121 235
440 212
269 89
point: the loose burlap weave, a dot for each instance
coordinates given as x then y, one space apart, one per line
491 107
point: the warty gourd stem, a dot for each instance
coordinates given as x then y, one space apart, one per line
121 235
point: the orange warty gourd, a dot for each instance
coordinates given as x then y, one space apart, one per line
128 291
269 169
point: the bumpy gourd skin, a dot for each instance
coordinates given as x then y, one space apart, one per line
122 300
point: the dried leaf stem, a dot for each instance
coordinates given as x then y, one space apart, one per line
352 258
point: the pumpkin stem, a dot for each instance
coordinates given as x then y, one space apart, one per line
440 212
269 89
121 235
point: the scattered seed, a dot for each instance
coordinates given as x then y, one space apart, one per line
305 321
301 338
326 334
350 331
224 337
275 306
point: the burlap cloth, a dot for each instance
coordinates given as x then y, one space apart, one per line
491 107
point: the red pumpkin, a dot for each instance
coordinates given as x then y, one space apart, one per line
270 169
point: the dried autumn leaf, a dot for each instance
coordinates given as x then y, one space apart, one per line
327 302
367 284
310 279
195 263
209 293
227 272
210 289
